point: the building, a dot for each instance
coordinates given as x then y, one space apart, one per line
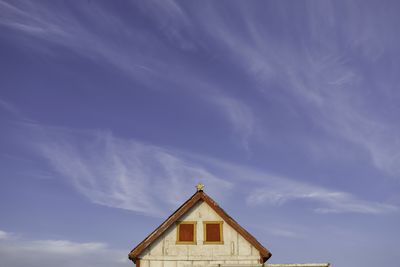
201 233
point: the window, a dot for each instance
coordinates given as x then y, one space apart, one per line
186 232
213 233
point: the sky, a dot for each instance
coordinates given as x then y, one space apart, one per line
112 111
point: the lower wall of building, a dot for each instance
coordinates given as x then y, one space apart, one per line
197 263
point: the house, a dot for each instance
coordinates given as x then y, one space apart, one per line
201 233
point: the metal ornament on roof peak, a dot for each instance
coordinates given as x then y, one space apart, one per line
199 187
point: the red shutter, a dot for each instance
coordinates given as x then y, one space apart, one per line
213 232
186 232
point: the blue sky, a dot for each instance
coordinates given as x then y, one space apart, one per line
112 111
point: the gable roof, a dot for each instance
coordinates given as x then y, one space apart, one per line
198 196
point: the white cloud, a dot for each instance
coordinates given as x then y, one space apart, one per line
46 23
11 109
263 187
321 81
340 106
64 246
321 78
174 22
64 253
5 235
54 24
8 107
69 31
280 191
128 174
122 173
281 230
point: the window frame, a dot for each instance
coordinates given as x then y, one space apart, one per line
194 242
221 232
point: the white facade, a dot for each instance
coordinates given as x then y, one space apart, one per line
164 252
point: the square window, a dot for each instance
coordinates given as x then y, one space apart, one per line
186 233
213 232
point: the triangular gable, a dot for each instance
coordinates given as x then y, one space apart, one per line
199 195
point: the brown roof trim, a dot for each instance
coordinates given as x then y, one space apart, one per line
264 253
200 195
164 226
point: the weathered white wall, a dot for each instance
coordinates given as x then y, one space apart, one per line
164 252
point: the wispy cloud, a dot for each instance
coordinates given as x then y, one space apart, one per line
281 230
148 66
12 110
320 82
21 252
8 107
122 173
4 235
128 174
282 191
66 29
263 187
174 23
320 79
91 34
64 246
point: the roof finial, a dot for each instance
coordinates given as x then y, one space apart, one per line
199 187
